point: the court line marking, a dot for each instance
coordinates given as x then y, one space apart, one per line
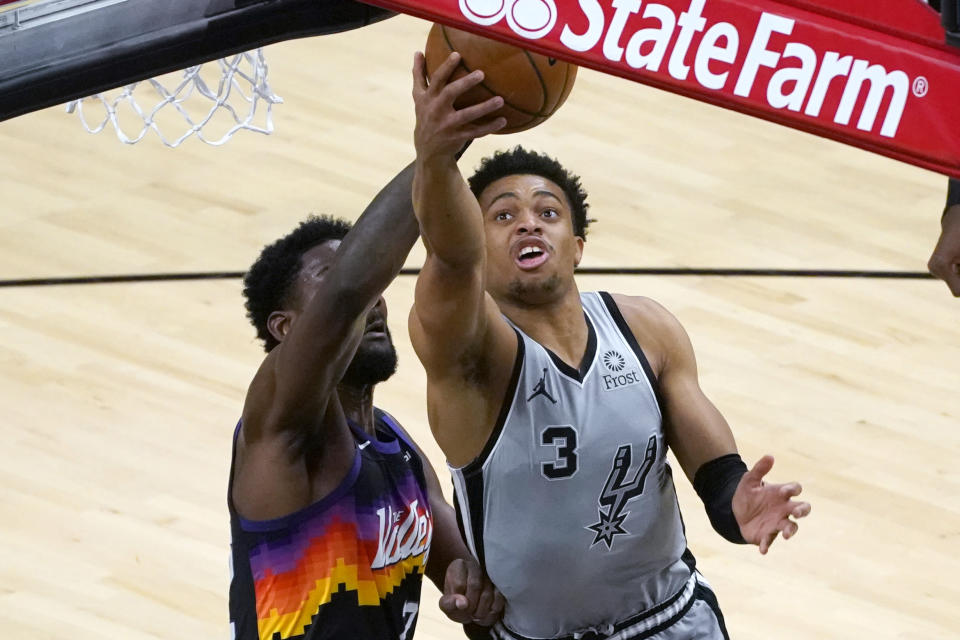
587 271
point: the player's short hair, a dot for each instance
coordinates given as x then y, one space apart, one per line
268 284
521 161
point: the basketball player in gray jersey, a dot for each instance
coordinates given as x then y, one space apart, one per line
555 409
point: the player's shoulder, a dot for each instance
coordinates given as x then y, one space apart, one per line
657 331
644 312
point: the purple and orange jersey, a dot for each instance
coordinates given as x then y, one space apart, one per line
348 566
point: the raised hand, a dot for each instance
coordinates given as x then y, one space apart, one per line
469 596
442 129
765 510
945 261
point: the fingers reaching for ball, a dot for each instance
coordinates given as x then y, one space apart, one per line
442 128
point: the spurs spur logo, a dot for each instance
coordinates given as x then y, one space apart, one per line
618 491
530 19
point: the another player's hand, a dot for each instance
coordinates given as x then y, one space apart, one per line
469 596
945 261
765 510
442 129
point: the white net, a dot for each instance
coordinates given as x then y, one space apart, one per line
211 102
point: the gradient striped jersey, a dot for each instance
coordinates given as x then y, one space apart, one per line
347 567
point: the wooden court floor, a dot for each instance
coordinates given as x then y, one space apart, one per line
119 400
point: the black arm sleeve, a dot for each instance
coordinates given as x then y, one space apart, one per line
715 483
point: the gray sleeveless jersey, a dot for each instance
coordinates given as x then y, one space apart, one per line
571 506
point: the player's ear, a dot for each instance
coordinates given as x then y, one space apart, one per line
578 256
278 324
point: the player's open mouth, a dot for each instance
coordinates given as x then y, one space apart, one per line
530 253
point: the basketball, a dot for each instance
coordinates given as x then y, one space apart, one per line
532 86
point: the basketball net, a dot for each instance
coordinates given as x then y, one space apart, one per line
211 102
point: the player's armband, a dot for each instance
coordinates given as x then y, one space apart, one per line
715 483
953 194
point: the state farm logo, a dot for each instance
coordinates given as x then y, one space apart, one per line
760 61
530 19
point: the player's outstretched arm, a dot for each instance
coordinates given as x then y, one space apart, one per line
945 261
455 328
298 376
741 506
449 299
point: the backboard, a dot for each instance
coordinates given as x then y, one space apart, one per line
53 51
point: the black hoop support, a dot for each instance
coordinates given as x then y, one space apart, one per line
55 61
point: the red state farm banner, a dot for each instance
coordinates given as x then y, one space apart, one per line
860 79
911 19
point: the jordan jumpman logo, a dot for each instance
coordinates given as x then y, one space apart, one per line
541 389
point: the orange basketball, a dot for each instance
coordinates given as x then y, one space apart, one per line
532 86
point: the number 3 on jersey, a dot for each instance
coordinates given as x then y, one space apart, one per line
563 439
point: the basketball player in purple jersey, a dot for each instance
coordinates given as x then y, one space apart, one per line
555 408
335 513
